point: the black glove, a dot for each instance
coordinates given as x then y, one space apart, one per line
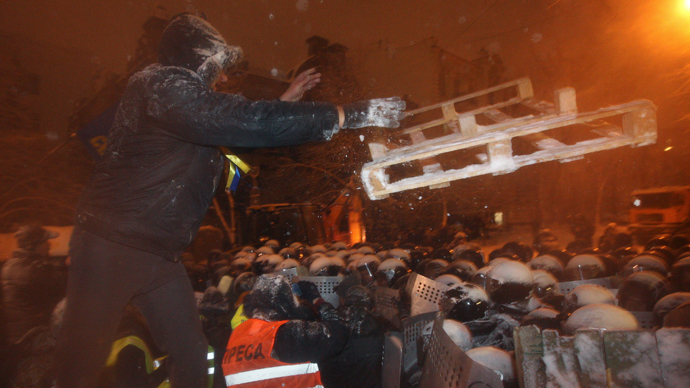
381 112
309 290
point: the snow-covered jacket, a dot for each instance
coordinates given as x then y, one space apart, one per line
162 165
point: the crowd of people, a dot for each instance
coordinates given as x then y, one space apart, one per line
256 313
489 294
266 324
31 285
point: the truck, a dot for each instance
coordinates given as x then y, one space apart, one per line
659 210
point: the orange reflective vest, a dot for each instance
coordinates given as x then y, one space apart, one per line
248 363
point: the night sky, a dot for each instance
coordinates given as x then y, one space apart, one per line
610 50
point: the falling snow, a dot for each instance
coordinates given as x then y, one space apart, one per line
302 5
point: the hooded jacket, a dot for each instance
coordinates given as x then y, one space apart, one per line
162 165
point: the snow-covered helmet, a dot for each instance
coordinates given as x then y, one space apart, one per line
398 253
623 255
645 262
459 238
338 246
601 316
458 333
465 302
287 264
267 263
461 268
685 249
434 268
678 317
543 318
306 261
324 266
586 294
264 250
641 290
274 244
522 250
288 253
658 241
354 257
668 303
665 253
366 249
343 254
678 240
545 241
448 280
680 275
367 266
317 249
480 278
584 267
391 270
442 253
470 253
509 281
547 263
497 360
239 266
544 283
416 257
243 283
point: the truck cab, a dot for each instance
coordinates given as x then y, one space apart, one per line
659 210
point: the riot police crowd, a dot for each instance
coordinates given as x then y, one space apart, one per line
311 313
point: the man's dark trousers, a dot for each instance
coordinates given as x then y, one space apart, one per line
103 277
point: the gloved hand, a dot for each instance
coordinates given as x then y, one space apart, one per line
380 112
309 290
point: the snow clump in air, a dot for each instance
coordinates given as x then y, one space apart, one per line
302 5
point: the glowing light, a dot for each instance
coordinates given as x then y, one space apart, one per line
686 4
669 148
